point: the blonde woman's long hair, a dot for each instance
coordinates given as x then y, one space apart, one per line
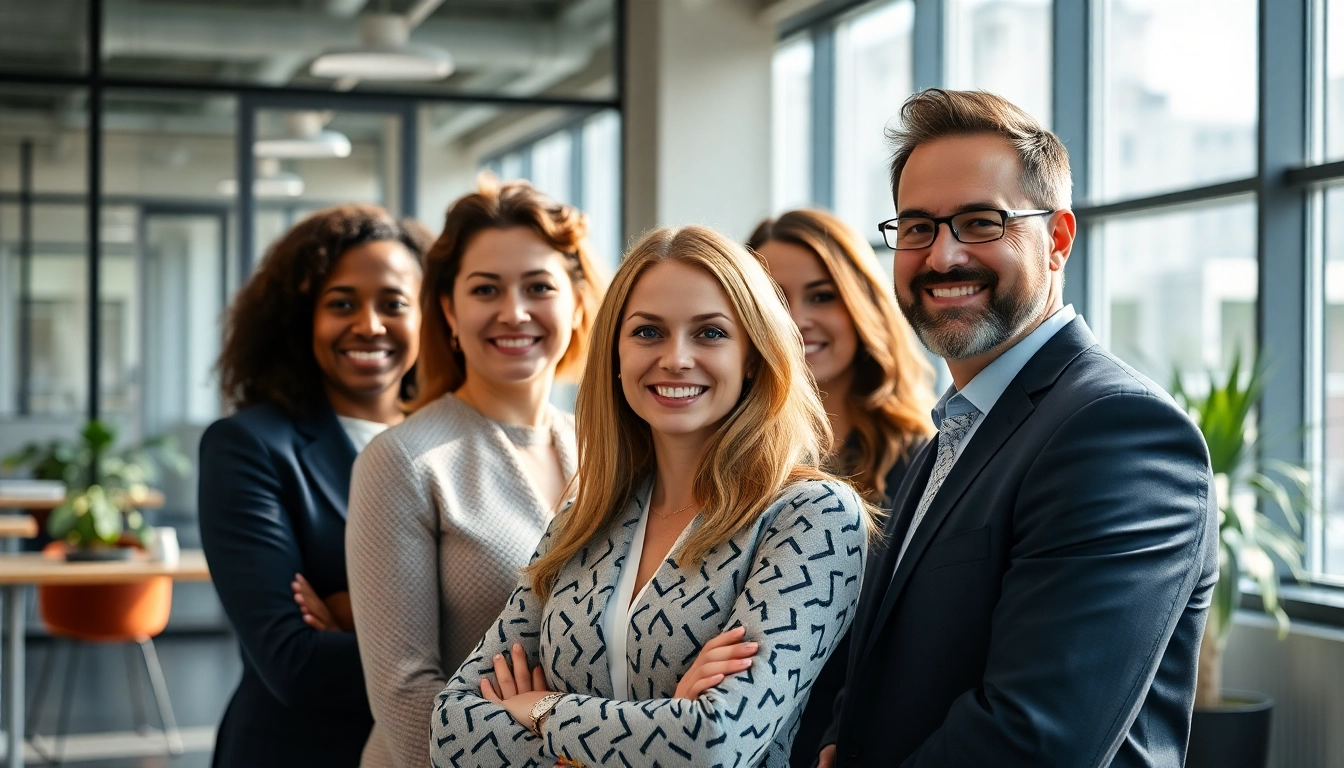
892 389
776 435
441 368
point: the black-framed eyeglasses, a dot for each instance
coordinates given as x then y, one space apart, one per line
906 233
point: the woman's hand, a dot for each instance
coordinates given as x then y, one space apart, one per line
330 615
519 687
724 655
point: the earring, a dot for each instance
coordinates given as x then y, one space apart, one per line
618 375
455 344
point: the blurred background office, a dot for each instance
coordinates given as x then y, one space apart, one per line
150 150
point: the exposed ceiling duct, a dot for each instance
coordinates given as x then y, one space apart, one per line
220 32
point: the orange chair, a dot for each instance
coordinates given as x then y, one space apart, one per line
106 613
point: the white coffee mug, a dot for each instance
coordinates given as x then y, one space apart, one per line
166 549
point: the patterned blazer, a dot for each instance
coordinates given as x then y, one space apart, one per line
792 578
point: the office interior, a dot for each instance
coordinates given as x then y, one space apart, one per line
150 150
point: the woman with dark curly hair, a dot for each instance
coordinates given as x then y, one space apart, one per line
447 506
318 350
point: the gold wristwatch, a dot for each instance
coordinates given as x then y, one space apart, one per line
542 709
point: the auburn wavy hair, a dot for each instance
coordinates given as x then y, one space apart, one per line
493 205
892 389
776 435
267 354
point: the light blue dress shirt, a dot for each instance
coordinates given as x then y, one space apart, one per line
983 391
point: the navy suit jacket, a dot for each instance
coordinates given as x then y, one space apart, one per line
273 497
1049 609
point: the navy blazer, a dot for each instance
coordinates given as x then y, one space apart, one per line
1049 608
273 494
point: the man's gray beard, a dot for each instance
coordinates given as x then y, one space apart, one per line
951 339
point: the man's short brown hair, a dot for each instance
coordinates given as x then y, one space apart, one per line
936 113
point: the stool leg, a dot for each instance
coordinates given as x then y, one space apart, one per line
160 688
40 694
137 691
39 698
63 719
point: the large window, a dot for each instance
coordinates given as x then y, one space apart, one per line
872 77
1180 288
1174 114
1002 46
791 87
1209 222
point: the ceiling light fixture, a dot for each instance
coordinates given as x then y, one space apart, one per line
305 138
385 53
269 182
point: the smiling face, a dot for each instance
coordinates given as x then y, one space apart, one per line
512 309
682 352
366 325
829 337
968 300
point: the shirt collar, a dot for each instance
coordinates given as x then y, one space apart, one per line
982 392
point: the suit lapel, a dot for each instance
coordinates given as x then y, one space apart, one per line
328 457
1013 407
884 558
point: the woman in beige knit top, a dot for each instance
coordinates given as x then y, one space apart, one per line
447 506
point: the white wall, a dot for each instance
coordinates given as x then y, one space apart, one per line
698 118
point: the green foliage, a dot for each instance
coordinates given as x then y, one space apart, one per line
102 483
1249 489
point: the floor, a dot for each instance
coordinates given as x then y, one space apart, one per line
201 667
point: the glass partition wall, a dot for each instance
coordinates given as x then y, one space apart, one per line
189 150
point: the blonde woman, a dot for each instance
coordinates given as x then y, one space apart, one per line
874 381
447 506
701 507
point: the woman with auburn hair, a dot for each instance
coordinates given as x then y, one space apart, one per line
318 348
445 508
704 530
875 383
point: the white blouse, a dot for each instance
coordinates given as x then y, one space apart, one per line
360 431
616 618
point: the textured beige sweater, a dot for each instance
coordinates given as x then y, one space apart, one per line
441 517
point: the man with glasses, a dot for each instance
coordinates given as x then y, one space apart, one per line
1050 558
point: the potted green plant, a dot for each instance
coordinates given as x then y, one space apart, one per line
99 516
1261 503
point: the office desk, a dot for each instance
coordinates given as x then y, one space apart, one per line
150 499
18 570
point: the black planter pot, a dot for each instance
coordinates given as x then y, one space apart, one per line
99 554
1234 735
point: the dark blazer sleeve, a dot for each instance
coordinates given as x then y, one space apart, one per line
253 554
1112 535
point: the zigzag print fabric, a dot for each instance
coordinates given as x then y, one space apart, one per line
792 579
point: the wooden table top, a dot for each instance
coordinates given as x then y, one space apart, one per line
152 499
17 527
36 568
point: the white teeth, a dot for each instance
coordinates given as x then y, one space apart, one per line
951 293
679 392
518 343
377 354
810 348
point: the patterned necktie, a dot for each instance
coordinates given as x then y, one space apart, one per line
950 435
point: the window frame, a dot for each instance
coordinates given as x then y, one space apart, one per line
1287 188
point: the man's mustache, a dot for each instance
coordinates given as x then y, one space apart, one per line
926 280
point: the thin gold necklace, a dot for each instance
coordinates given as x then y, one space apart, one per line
670 514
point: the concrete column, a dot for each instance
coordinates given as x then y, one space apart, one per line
697 123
